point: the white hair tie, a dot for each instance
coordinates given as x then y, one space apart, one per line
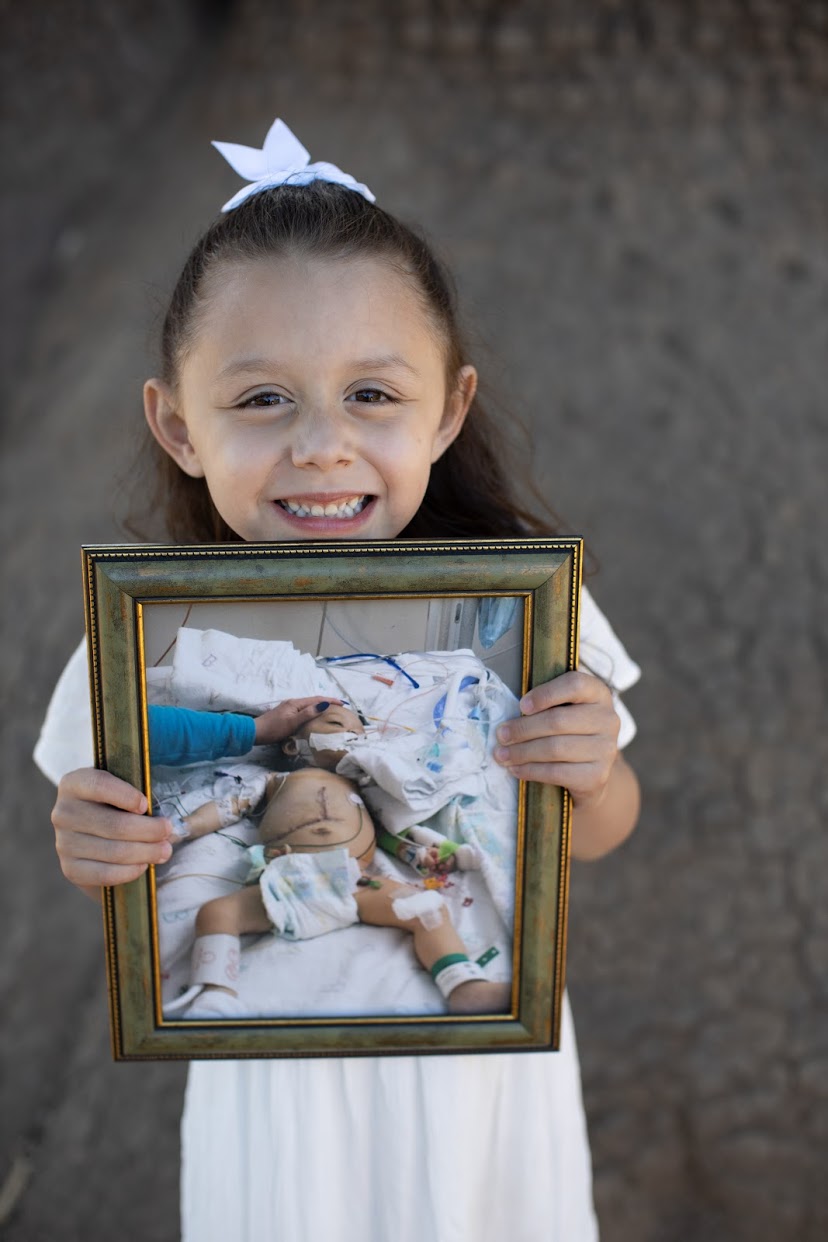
282 159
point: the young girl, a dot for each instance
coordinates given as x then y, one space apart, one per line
314 385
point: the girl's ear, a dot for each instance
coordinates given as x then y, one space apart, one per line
457 407
169 428
289 747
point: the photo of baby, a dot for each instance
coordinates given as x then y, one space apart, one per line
345 846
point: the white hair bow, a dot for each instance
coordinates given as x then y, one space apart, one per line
281 159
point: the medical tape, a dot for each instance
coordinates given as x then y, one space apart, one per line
429 907
330 741
216 960
230 809
181 829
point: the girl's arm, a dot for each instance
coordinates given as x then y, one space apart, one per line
598 828
567 735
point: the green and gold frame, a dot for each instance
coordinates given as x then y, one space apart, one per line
196 627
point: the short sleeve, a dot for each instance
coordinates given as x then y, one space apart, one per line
65 741
603 653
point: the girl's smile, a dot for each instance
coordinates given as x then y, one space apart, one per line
313 399
323 513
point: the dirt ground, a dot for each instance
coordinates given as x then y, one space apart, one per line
633 200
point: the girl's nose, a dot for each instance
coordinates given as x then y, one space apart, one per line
321 440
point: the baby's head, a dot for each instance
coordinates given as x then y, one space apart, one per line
335 719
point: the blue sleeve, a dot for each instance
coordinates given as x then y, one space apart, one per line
178 735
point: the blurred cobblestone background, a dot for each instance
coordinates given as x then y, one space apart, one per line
633 196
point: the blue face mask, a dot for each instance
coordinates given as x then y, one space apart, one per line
495 615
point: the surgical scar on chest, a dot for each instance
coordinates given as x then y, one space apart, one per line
321 815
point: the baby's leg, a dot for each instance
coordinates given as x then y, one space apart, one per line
386 903
233 915
219 924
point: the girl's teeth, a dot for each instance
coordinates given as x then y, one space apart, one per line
343 509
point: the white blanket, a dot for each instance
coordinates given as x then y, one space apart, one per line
425 758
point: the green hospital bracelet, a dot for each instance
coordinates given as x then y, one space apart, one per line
450 959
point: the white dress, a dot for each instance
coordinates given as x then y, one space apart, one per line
379 1149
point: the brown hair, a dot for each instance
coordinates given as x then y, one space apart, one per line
469 493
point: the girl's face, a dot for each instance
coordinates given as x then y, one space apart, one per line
313 399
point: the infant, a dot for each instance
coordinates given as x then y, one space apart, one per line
316 839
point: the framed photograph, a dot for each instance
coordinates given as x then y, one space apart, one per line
352 871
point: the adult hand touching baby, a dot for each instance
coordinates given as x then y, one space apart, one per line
568 735
285 718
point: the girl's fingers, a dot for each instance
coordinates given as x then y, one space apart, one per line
101 835
83 846
583 719
87 874
95 819
573 687
578 778
95 785
566 750
90 861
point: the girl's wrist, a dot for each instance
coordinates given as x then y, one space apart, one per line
594 799
599 827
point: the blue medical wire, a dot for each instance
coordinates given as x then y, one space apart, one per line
372 655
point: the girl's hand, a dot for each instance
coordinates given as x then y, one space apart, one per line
567 735
102 832
285 718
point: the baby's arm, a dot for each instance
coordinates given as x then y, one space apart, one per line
222 812
568 735
211 816
103 834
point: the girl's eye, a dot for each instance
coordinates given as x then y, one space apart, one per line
262 400
371 396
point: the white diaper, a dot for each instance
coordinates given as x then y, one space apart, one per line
306 895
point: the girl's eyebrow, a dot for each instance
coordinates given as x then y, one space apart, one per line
383 363
243 366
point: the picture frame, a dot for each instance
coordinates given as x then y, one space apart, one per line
148 609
